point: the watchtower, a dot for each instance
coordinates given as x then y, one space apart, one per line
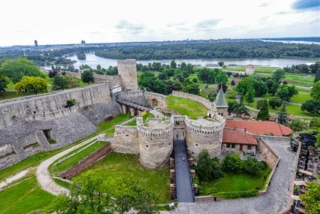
127 71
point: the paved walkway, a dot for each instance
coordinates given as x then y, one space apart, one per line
43 175
272 202
181 165
157 114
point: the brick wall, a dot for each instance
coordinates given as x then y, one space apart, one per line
85 163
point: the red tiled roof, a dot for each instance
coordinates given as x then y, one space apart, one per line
238 137
250 65
260 127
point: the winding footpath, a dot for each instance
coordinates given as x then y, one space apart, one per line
44 177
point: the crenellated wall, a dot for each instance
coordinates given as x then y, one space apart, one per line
155 143
204 136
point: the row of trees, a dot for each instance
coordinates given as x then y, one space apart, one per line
313 106
304 69
252 49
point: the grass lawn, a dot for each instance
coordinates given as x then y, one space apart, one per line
12 94
62 183
124 166
56 169
301 98
145 117
24 197
186 107
235 182
256 69
38 158
301 80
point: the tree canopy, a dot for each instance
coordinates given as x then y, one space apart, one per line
87 76
31 85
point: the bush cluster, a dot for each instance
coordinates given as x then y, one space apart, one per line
233 163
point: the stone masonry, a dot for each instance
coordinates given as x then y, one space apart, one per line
127 70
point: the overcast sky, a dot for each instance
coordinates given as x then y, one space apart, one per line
70 21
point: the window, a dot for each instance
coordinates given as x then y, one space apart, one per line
221 114
233 146
249 146
228 145
48 134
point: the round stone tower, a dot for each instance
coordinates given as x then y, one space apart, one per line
155 141
205 134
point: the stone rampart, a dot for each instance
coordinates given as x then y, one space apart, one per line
209 105
126 140
85 163
50 106
127 70
155 143
267 153
42 123
113 80
155 99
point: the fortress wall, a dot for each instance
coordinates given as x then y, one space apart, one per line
100 112
114 80
160 98
51 105
209 105
136 97
127 70
155 145
126 140
199 138
267 153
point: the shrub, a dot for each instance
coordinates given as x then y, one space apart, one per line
232 163
208 169
70 103
253 166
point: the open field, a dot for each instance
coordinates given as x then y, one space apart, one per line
24 197
301 98
38 158
234 182
256 69
301 80
124 166
186 107
56 169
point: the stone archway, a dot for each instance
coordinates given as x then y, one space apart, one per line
154 102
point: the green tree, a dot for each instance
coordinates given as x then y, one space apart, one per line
282 115
232 163
250 95
286 92
99 67
59 82
220 63
31 85
315 123
275 102
87 76
221 78
312 106
231 93
278 75
259 104
163 76
3 83
315 91
312 198
159 87
298 124
81 56
192 88
15 69
260 88
264 111
253 166
317 77
183 66
206 75
272 86
173 64
244 85
207 169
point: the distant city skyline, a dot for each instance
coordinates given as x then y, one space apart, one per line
98 21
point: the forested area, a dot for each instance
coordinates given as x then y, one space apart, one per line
212 50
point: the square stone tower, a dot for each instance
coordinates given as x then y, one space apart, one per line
127 71
250 69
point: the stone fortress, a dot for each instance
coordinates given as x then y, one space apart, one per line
38 123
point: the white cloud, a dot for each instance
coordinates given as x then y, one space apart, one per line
60 21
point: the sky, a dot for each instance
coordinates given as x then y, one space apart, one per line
70 21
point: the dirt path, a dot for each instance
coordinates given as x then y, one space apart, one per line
43 175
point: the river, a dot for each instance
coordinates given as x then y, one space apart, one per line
93 60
